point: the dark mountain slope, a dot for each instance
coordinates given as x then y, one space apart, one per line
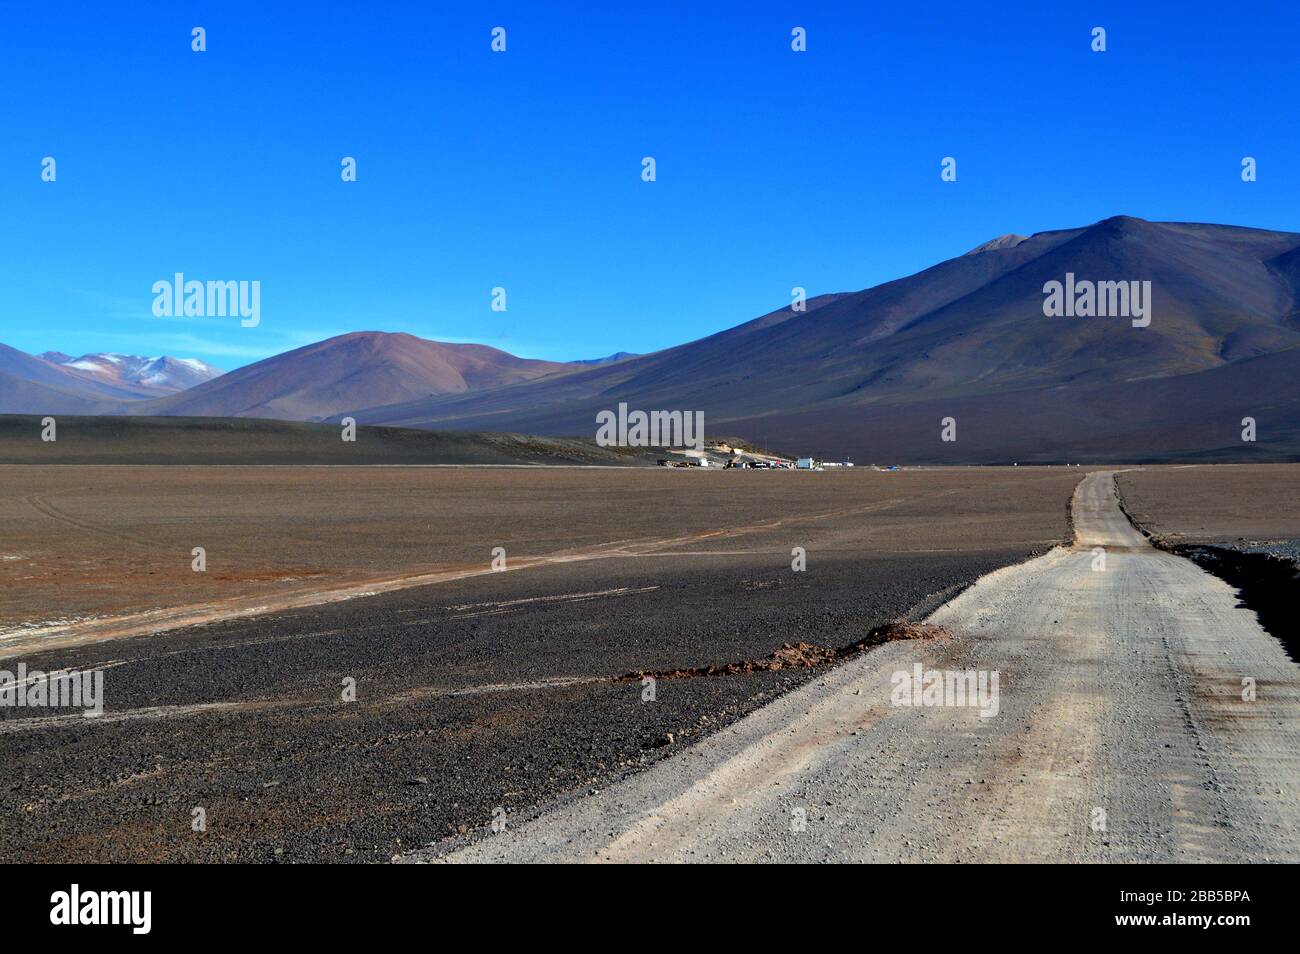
969 335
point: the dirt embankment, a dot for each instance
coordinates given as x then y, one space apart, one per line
801 655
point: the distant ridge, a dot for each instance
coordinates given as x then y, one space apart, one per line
188 441
609 359
362 368
32 385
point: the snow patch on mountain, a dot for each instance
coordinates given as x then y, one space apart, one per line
161 373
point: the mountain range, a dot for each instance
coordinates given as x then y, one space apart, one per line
869 374
160 375
57 383
354 370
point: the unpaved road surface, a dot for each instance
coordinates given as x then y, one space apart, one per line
1120 734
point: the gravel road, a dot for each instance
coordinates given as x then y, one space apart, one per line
1119 734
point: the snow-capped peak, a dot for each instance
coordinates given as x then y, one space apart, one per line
160 373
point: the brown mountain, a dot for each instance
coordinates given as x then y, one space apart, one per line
871 373
359 369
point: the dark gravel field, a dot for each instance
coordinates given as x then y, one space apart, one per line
492 694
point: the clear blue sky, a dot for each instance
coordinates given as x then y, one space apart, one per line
522 169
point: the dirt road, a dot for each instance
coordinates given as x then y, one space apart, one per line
1118 732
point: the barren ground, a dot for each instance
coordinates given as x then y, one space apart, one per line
1143 716
493 690
1219 503
83 543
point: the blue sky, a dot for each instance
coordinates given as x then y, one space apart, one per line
522 169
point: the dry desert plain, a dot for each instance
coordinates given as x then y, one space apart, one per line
478 692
